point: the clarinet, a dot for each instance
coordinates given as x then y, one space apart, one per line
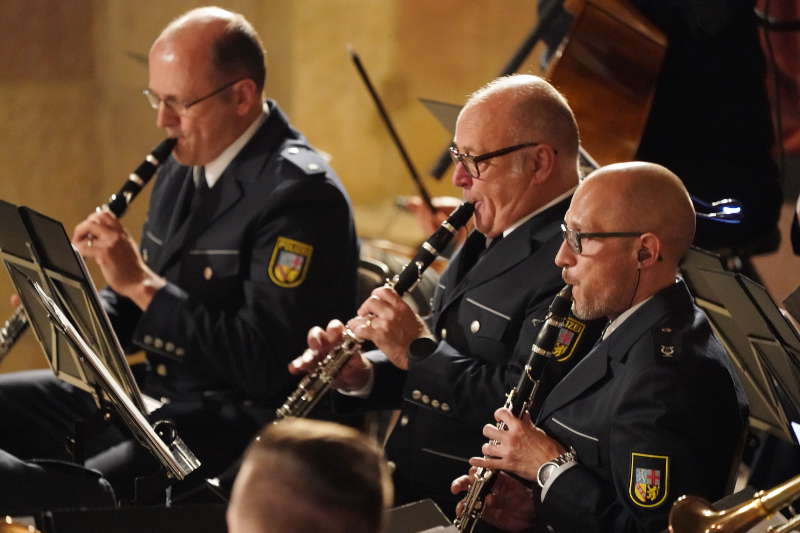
315 384
526 396
118 203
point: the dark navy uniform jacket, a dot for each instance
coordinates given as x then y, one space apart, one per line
485 324
653 412
271 252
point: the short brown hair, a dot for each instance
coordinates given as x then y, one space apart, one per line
333 469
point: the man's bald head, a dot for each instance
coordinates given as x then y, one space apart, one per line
223 40
644 197
534 111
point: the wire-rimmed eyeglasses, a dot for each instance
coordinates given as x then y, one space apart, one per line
573 237
470 162
182 107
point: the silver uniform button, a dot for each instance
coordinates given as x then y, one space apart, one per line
208 273
435 403
404 420
158 343
443 333
416 395
293 150
475 327
425 399
170 347
313 166
445 407
180 352
161 369
148 339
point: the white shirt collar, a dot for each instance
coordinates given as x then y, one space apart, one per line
617 322
215 168
529 216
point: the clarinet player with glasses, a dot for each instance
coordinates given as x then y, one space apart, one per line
516 155
249 241
655 410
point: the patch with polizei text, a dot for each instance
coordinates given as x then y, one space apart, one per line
568 337
649 481
288 265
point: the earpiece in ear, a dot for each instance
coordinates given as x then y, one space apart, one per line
643 254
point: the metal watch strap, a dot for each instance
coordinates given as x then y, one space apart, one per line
568 456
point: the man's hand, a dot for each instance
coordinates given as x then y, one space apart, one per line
103 238
520 449
355 373
388 321
509 506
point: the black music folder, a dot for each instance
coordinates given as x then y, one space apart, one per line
73 329
763 345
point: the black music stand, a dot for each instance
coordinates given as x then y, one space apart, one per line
74 331
763 346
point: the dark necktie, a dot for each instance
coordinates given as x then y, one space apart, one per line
474 251
200 188
196 191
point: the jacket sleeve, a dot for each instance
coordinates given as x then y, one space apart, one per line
307 226
473 385
672 433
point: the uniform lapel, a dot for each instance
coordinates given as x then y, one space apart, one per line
224 195
594 367
510 251
589 371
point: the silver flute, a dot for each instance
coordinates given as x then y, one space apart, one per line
316 383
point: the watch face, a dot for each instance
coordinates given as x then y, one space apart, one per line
545 472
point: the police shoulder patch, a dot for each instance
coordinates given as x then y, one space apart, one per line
288 265
568 337
649 482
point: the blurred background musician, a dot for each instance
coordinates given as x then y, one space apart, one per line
309 476
516 148
710 118
249 241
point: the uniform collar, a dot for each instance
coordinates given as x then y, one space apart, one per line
529 216
617 322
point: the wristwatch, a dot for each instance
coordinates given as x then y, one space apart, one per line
546 470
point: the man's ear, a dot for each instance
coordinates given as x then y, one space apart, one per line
541 162
246 95
649 251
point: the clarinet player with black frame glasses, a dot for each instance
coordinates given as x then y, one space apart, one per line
249 240
516 153
655 410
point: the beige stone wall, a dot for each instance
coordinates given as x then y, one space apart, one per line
74 122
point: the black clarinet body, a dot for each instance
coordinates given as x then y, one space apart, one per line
118 202
527 396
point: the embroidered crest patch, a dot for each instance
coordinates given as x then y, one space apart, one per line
289 263
649 481
568 337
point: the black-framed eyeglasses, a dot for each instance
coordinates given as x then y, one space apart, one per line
470 162
573 237
182 107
